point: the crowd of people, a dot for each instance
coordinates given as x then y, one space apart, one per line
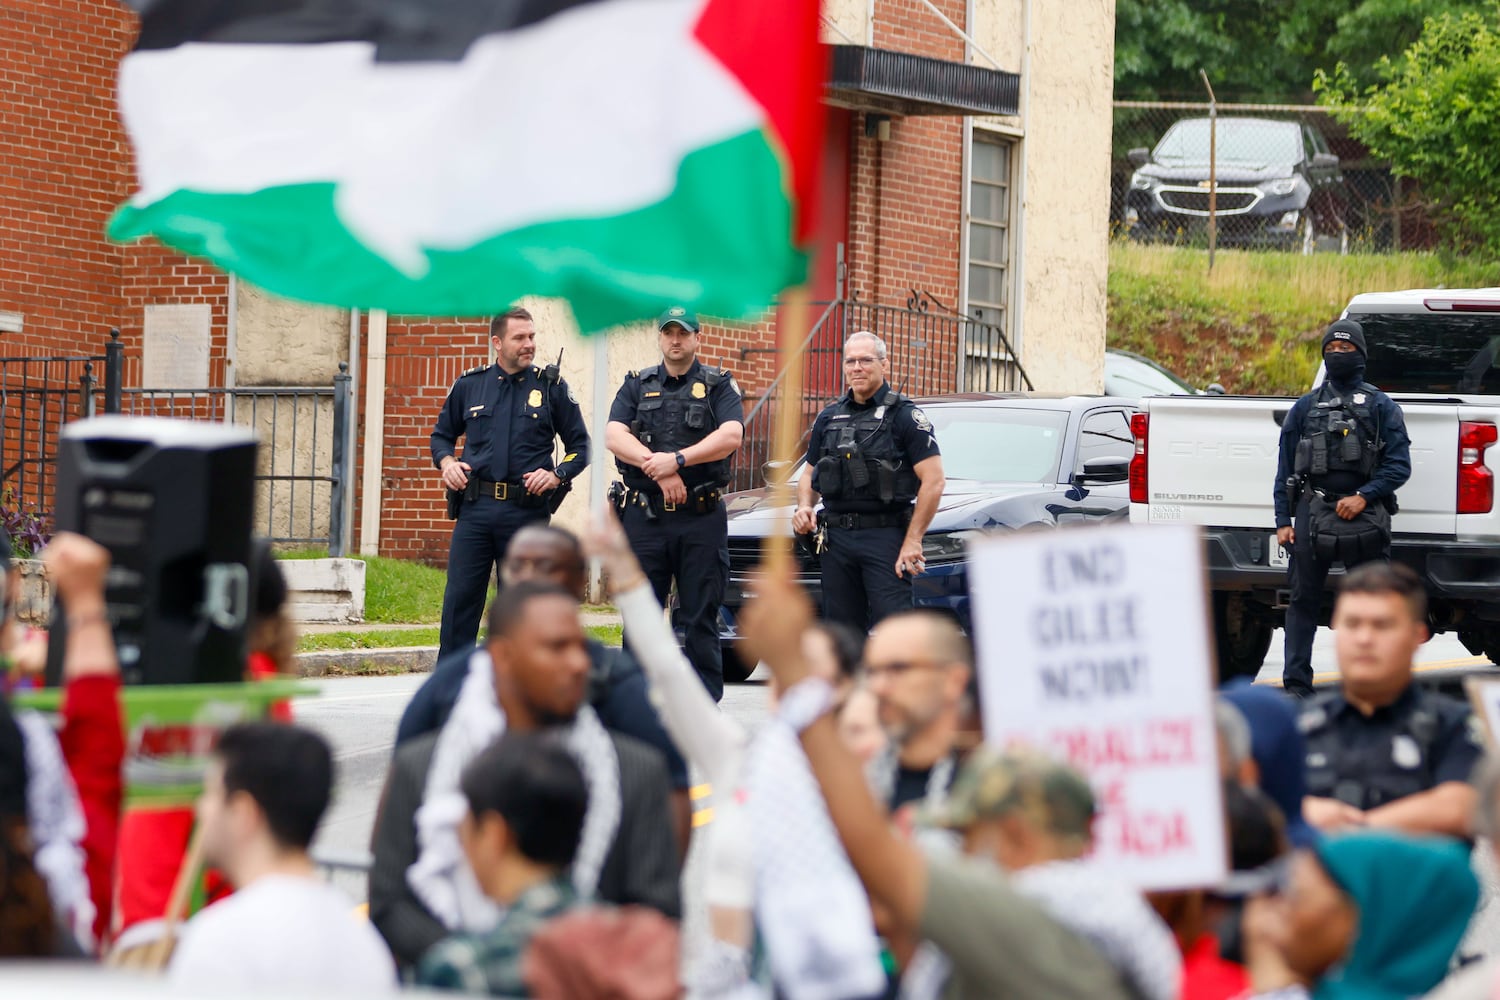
865 840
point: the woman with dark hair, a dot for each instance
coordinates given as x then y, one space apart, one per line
27 926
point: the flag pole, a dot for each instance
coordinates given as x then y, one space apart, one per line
786 429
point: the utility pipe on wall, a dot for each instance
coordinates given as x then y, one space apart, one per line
371 460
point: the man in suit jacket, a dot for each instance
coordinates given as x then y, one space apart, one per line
420 887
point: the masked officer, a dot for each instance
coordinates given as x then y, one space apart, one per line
1381 750
508 413
1344 454
873 457
673 428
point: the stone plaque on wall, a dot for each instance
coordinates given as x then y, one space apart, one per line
175 353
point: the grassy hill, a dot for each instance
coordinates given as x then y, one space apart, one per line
1255 323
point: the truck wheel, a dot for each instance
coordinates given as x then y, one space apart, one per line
1241 637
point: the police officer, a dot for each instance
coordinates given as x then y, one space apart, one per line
508 414
673 428
1344 454
874 459
1382 751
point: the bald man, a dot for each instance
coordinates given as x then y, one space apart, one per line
918 665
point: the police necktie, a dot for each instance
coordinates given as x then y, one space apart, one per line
500 432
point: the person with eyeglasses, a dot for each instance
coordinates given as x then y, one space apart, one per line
918 666
873 458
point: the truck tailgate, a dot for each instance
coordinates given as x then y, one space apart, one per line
1212 461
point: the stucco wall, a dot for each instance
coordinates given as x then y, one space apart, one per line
281 342
1063 248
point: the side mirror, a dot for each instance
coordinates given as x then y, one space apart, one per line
1325 161
1102 471
1139 157
1215 389
773 472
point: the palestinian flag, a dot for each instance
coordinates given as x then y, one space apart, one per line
449 156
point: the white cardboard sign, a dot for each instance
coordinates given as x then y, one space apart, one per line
1093 645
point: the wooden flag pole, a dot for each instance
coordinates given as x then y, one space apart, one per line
786 429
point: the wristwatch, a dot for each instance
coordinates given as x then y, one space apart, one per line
806 702
681 462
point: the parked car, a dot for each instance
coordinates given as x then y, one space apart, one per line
1278 186
1131 376
1211 461
1011 460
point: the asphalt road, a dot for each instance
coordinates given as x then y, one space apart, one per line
359 716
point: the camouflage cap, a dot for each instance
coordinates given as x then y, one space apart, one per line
993 783
684 318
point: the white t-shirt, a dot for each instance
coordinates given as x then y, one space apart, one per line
283 931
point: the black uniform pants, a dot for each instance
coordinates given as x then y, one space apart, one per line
1307 574
860 585
480 536
694 550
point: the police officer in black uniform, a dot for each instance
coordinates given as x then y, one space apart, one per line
508 413
673 429
874 459
1382 751
1344 454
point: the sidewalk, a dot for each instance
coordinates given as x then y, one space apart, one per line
393 659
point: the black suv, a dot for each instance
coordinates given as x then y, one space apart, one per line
1278 186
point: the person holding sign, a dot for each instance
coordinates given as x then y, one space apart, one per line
1019 916
1382 751
873 458
1344 454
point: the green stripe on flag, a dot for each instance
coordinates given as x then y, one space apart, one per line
720 242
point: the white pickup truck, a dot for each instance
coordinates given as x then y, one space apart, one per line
1211 461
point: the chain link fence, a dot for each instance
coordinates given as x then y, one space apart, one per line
1284 177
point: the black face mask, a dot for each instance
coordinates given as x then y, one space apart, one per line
1344 367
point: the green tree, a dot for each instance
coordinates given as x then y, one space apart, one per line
1259 49
1436 117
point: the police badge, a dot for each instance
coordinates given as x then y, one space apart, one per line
535 399
698 391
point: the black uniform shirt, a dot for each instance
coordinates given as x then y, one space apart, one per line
911 427
1348 750
1389 476
508 423
724 402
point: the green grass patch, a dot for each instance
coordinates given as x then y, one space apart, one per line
397 592
1255 322
393 638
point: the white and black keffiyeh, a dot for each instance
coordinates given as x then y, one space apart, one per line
881 772
56 824
441 877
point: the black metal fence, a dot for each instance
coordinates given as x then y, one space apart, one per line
931 350
304 463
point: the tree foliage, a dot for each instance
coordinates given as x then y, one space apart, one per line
1435 116
1255 50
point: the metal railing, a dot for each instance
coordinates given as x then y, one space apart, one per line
303 466
932 350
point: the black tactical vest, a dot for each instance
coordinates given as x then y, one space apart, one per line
671 419
861 467
1340 444
1337 770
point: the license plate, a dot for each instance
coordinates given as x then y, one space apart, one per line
1276 555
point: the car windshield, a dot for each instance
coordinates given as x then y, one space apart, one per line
999 444
1433 352
1241 141
1136 377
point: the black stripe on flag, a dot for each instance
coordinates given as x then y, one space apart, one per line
402 30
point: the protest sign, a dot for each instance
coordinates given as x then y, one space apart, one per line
1093 645
1484 695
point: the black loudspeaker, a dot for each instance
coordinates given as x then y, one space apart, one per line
173 501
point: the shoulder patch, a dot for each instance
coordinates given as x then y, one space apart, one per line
1474 729
569 390
920 419
735 386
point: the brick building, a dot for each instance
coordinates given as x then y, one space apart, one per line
964 217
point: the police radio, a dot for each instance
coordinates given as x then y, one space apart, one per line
553 373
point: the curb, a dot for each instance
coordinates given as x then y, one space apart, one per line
367 662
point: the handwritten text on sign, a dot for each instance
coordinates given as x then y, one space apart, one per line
1093 645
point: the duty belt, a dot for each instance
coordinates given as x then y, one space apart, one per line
502 491
855 522
705 503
